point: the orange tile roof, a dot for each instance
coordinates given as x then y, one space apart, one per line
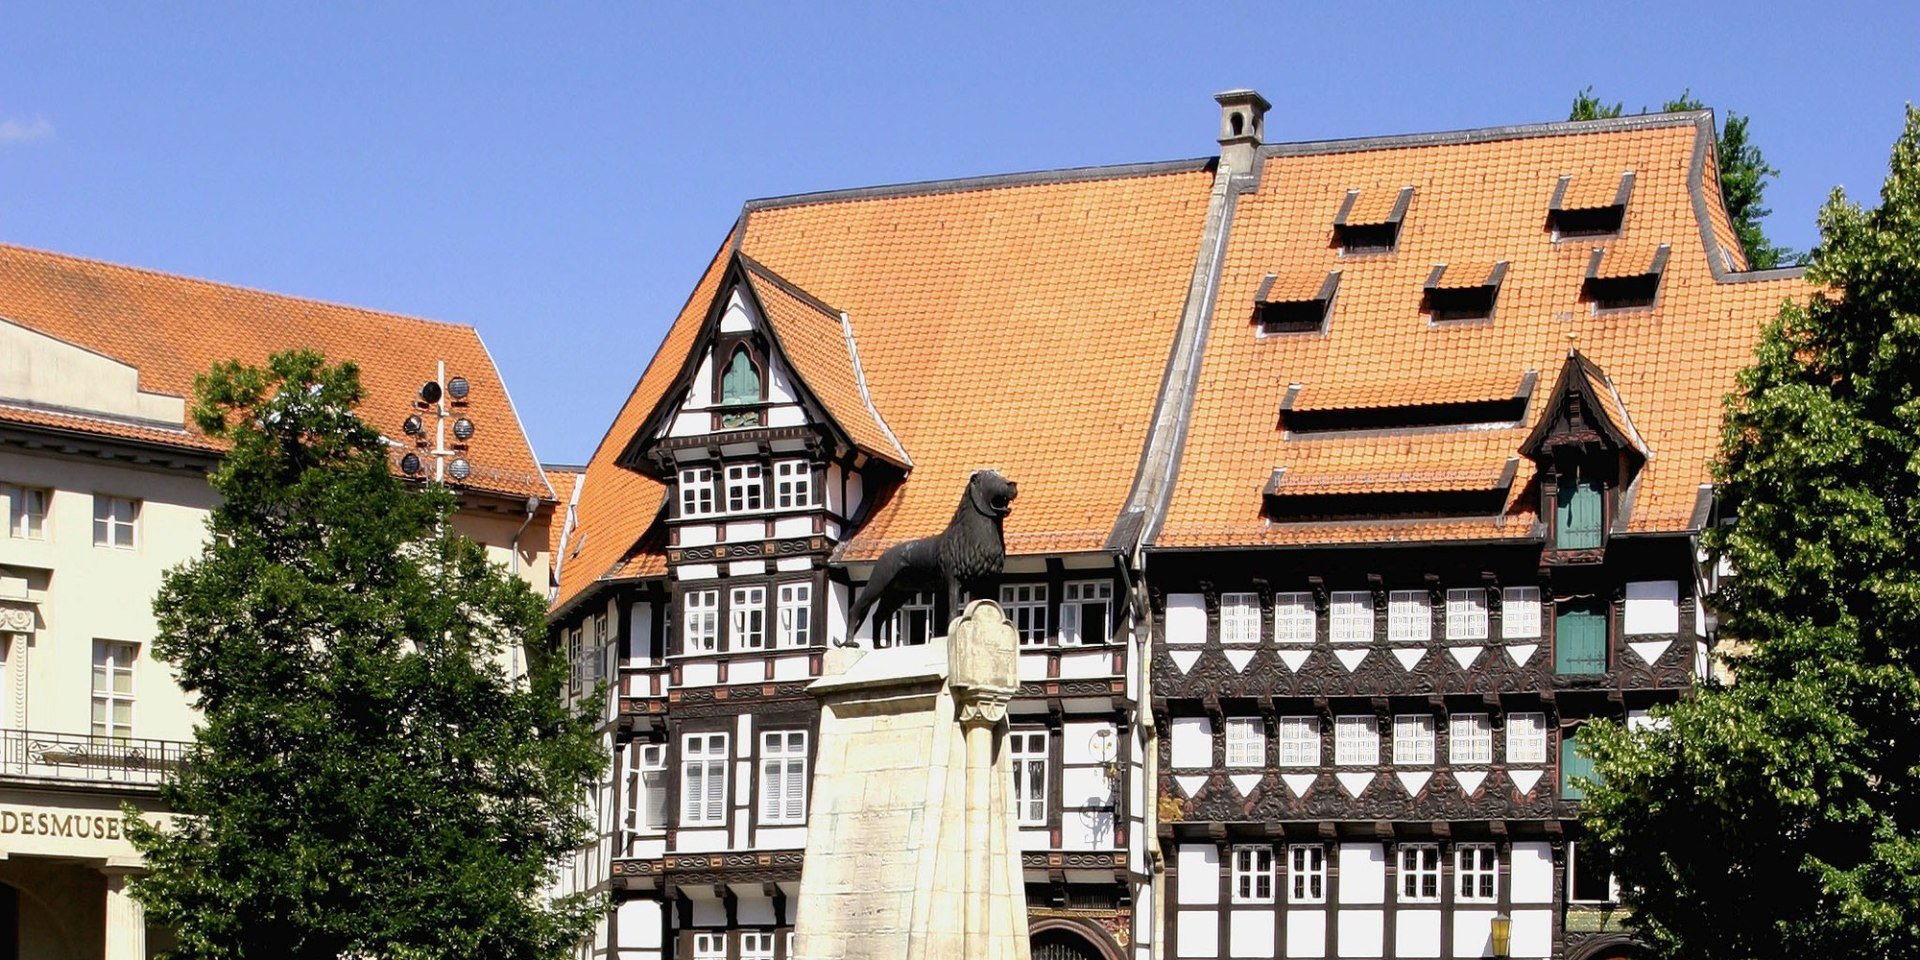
1295 286
1624 260
173 328
1466 274
1410 389
1481 199
1374 205
1592 189
1612 407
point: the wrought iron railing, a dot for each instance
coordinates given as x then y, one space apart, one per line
88 759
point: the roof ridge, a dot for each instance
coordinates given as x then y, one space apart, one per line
795 290
912 188
866 396
1470 135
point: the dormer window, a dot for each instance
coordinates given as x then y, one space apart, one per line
741 381
1297 303
1620 280
1580 514
1588 453
1369 220
1464 292
1589 205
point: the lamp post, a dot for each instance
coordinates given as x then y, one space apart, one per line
1502 935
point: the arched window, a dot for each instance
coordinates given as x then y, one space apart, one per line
741 381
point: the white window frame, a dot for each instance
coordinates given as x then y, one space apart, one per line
1469 739
1350 616
794 621
756 945
700 626
783 777
793 485
1419 872
710 945
110 528
1413 740
1526 601
1476 872
1026 607
647 803
746 488
1307 873
703 756
1253 874
1294 618
747 618
1239 618
1409 616
1573 864
1299 741
1356 740
1246 742
1467 613
696 492
27 509
576 660
1027 749
1526 739
114 660
890 633
1076 597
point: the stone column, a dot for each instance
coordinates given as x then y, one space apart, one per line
126 919
983 714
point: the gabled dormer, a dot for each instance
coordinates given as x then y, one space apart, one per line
1589 457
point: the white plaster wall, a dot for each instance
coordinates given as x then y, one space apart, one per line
786 415
1473 933
1363 874
1192 742
1362 933
1197 933
41 369
1532 934
1306 933
1416 933
1086 664
1250 933
793 527
1532 872
639 924
1199 874
1653 606
1186 618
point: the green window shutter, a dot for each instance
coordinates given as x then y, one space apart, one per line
1580 639
740 383
1577 516
1574 763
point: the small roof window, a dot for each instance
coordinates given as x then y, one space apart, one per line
1623 279
1459 292
1295 302
1589 205
1369 220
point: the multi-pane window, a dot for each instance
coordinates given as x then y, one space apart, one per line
696 492
1526 738
1520 613
1580 637
1026 606
1469 739
1028 751
747 618
783 776
745 490
27 512
647 790
911 625
756 945
116 521
1350 616
701 627
1246 742
1467 614
113 688
796 614
1293 618
1086 612
1299 741
1356 741
1419 872
710 946
1409 616
792 484
576 660
1239 618
703 780
1253 874
1476 871
1307 873
1413 740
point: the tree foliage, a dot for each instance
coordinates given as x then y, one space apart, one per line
1780 816
368 779
1744 173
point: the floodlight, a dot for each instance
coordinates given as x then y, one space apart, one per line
430 392
414 426
457 388
459 468
410 464
463 429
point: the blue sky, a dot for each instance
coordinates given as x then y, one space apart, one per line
557 174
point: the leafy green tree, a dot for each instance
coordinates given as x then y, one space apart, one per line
1744 173
368 779
1780 816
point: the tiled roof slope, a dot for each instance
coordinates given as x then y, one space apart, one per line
172 328
562 479
1479 198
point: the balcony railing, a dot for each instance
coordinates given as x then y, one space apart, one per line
88 759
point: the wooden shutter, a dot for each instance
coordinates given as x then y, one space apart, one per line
1580 639
1573 763
1578 516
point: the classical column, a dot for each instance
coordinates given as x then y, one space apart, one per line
983 713
126 919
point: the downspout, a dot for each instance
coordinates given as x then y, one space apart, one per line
518 666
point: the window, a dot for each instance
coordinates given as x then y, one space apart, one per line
1306 873
745 491
1409 616
1293 620
910 626
747 618
1469 739
783 776
1413 740
1526 738
1467 614
576 660
703 780
741 381
647 787
1239 618
796 614
1580 637
116 521
1029 755
1026 606
1520 613
1588 879
1574 765
710 946
1351 617
1086 612
792 484
1476 870
756 945
1246 742
1356 741
1578 513
1419 872
1252 874
696 492
113 688
702 628
27 515
1299 741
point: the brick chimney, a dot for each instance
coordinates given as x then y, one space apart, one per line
1243 126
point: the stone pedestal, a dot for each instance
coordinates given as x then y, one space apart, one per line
912 848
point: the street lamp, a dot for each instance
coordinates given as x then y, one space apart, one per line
1502 935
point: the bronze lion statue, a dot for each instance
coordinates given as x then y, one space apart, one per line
965 558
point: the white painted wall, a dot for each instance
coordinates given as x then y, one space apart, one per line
1186 618
1653 606
1363 873
1192 744
1199 874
